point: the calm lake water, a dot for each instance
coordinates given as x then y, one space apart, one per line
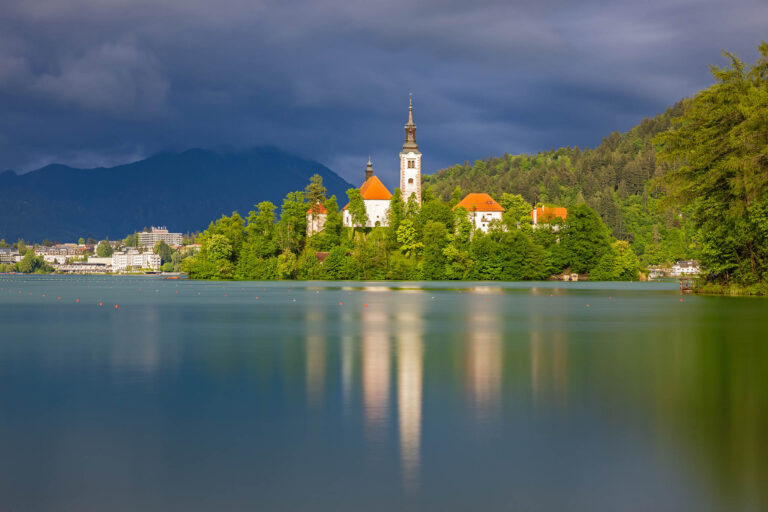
379 396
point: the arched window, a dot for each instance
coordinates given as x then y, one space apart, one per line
410 181
411 164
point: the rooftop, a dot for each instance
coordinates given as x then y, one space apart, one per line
479 202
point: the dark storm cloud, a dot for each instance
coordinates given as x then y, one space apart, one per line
95 82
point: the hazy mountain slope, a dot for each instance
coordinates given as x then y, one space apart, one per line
183 191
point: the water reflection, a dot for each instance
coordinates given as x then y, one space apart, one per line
484 359
376 363
410 354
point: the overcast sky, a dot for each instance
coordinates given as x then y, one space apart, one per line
102 82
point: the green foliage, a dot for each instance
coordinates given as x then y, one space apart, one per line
619 263
408 238
517 209
163 250
356 208
585 239
31 264
719 153
104 249
81 241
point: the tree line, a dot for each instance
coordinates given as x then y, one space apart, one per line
431 241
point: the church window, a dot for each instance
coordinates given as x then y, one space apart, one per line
411 164
410 181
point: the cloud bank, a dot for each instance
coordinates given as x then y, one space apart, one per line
95 82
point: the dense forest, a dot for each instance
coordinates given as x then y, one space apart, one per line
619 179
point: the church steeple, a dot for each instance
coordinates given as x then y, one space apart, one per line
369 168
410 130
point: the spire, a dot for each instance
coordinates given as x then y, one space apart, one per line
369 168
410 129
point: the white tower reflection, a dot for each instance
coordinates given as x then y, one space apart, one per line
410 364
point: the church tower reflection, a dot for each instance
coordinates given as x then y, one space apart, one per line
410 364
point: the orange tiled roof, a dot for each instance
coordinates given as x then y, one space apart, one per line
548 213
373 188
317 209
479 203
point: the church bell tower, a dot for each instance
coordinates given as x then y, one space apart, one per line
410 161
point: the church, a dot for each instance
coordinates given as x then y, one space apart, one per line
376 196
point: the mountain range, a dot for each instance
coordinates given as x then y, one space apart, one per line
183 191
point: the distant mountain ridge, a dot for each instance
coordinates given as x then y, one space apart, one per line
183 191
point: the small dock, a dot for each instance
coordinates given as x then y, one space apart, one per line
686 284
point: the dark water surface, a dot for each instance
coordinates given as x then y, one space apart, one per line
434 396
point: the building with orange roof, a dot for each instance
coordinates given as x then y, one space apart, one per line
376 198
316 217
481 210
552 215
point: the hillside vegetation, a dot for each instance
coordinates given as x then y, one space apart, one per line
618 179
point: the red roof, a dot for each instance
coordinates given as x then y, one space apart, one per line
373 188
549 213
479 203
318 208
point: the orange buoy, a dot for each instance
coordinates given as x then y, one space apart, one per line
587 305
341 303
681 299
116 306
58 298
101 304
365 305
77 300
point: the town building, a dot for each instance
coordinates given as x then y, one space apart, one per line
376 198
481 210
9 255
316 217
133 259
685 268
148 240
549 215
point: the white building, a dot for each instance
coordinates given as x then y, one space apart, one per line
148 240
481 210
685 268
9 255
122 261
376 198
410 161
316 217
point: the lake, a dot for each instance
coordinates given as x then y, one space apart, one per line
379 396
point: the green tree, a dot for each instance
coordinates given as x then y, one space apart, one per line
163 250
315 191
356 208
617 264
720 148
407 237
395 214
517 209
585 239
81 241
435 241
104 249
293 222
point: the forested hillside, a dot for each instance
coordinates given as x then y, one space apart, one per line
616 179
